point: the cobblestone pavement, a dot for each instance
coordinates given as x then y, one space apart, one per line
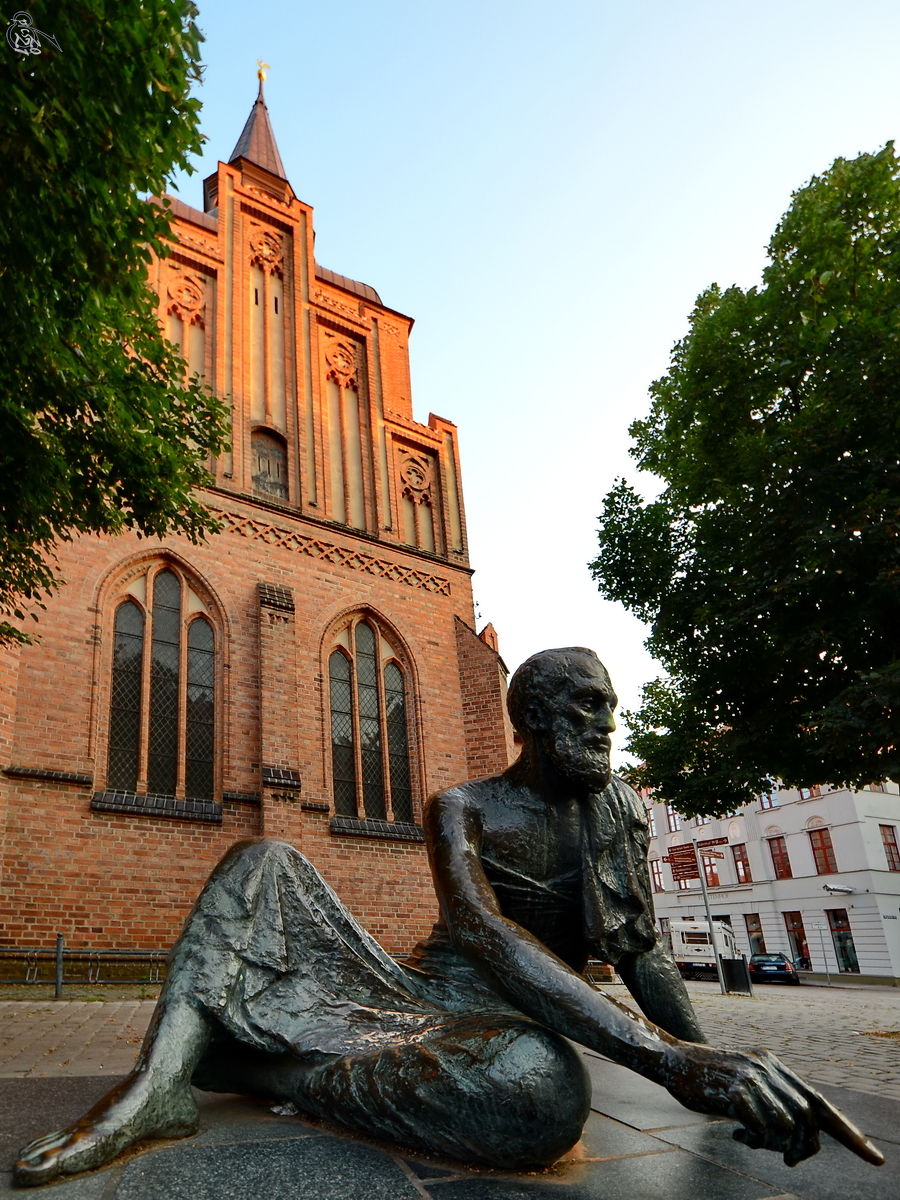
71 1037
819 1032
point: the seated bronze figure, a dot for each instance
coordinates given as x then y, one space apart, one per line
275 990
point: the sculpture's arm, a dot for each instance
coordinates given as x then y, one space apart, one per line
776 1108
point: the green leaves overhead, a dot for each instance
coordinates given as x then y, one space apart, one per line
769 566
99 430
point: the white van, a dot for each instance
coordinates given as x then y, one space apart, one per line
691 947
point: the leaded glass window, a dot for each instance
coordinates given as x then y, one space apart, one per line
200 731
369 722
125 701
343 756
398 743
162 721
162 764
370 752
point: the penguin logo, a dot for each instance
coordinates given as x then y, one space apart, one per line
22 36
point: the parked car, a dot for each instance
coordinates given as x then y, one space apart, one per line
770 967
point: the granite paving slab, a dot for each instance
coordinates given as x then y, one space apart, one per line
314 1168
833 1174
678 1176
633 1100
639 1144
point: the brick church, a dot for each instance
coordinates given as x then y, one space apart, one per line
310 673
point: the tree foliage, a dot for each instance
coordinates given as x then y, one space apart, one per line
769 565
99 429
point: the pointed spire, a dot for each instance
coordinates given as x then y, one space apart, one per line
257 141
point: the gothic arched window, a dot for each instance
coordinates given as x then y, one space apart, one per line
370 755
162 699
269 465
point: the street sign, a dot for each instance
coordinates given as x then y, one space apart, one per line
685 872
682 851
713 854
714 842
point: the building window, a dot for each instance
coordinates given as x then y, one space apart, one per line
673 820
657 875
793 923
780 861
269 465
875 787
891 850
842 937
810 793
703 820
370 756
823 851
683 885
768 800
127 697
741 863
162 700
711 869
755 933
651 821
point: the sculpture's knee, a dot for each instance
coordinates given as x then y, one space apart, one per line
253 850
534 1095
553 1094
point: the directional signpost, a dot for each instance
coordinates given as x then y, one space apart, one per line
821 928
685 864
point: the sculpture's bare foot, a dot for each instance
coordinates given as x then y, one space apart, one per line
135 1109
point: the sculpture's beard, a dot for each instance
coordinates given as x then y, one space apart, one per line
584 764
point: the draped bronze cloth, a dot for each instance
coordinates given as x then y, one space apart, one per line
615 880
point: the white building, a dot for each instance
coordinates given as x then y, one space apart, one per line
812 873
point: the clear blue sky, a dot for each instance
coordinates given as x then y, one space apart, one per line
546 188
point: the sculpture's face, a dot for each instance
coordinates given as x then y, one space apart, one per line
581 719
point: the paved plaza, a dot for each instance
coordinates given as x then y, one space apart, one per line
58 1058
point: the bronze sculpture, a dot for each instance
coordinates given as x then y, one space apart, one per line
274 989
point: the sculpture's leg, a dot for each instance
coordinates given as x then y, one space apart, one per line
503 1092
154 1101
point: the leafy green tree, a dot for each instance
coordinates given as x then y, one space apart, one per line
100 430
769 565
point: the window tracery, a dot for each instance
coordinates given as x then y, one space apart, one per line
163 689
370 740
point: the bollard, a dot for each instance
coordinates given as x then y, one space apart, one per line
59 965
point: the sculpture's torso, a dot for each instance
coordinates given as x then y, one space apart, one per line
531 852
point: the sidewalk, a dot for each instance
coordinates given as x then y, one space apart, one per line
57 1059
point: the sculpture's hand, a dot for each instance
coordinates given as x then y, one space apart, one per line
777 1110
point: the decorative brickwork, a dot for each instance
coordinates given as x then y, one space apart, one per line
153 805
315 547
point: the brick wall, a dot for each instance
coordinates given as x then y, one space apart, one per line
489 733
117 880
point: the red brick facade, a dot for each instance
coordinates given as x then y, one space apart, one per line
337 507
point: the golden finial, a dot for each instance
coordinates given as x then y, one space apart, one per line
263 67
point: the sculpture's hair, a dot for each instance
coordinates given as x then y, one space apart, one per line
538 680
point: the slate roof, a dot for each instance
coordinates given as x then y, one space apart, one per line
257 141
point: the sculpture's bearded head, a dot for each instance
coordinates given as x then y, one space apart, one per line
563 700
